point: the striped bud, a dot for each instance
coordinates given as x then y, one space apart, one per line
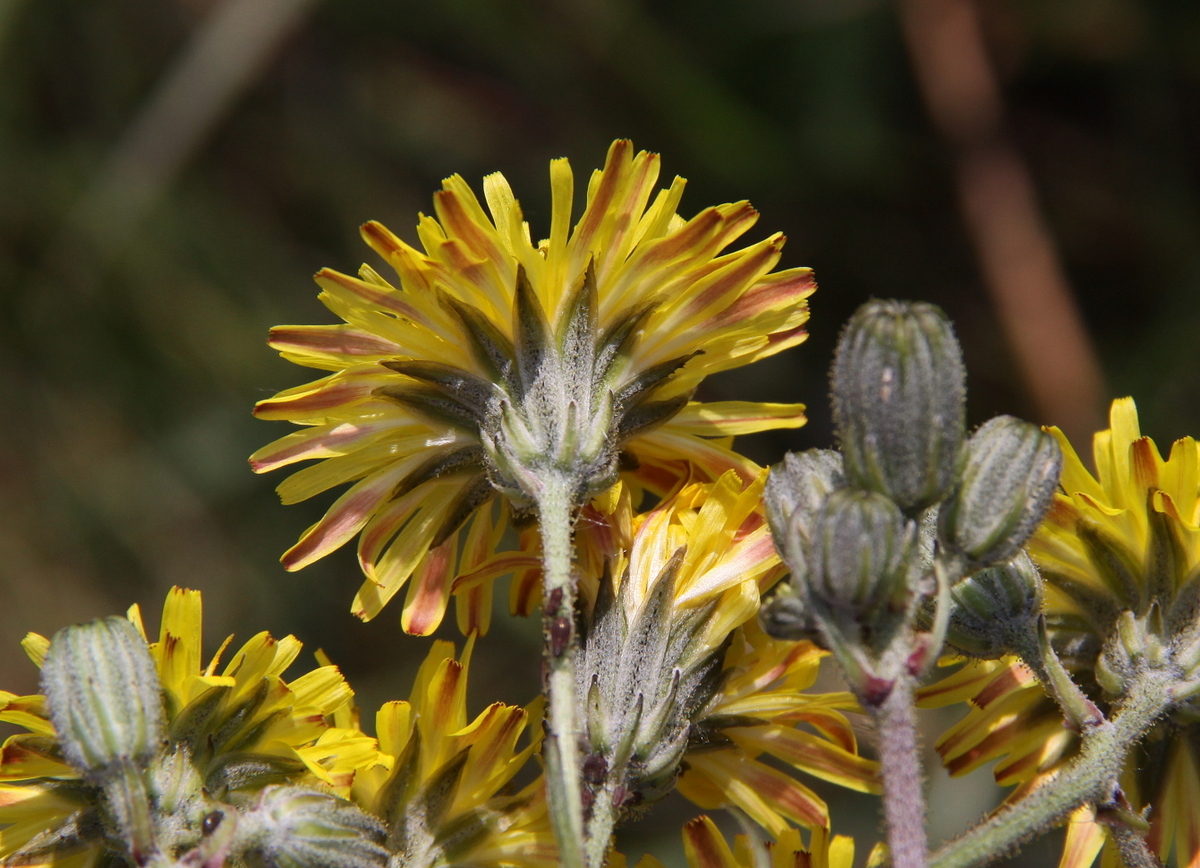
863 568
104 697
990 610
899 393
1007 483
795 493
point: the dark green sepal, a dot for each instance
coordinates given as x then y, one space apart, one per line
491 348
433 404
472 392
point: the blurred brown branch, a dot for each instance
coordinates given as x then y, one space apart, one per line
219 62
1020 263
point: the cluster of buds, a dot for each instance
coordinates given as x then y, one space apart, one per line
913 522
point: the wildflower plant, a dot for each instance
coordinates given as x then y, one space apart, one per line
506 407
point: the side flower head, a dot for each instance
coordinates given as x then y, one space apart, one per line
442 782
1119 553
498 366
224 734
673 591
676 676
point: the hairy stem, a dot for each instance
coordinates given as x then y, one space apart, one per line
601 823
129 806
1091 779
1036 652
903 792
564 779
1135 851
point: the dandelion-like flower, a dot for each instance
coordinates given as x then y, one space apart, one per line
440 781
235 729
675 672
500 365
1119 553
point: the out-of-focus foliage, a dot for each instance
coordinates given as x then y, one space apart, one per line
127 373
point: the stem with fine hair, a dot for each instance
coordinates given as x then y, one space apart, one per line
903 783
1034 648
563 775
601 823
1091 779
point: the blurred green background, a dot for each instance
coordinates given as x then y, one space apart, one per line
173 171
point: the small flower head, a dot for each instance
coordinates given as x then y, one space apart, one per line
857 563
498 363
103 697
993 610
441 780
296 827
675 673
1008 479
224 734
687 575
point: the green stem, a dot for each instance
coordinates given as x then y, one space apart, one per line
129 806
903 785
1135 852
563 765
601 823
946 572
1090 779
1034 648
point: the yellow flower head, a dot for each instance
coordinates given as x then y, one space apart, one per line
441 780
1123 544
676 669
722 542
498 364
241 727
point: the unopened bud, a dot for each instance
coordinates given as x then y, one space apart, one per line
1007 483
784 615
104 697
292 827
899 392
796 489
863 565
990 610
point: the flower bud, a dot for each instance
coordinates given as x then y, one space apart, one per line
899 392
863 568
784 615
292 827
989 610
104 697
1007 483
795 492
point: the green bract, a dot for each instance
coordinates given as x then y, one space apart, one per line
992 609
